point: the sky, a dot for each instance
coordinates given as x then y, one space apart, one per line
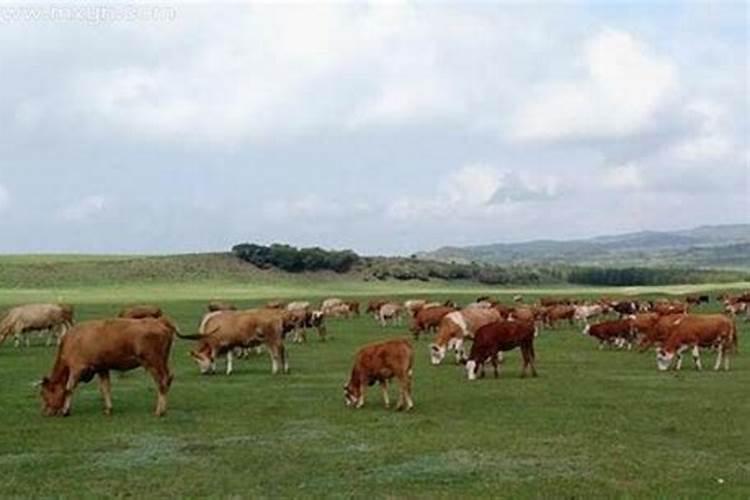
384 127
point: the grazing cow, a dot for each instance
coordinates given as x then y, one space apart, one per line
553 301
330 304
666 308
337 311
56 318
625 308
504 310
653 328
413 306
353 306
373 307
523 314
616 332
302 318
696 331
217 305
276 304
497 337
457 326
96 347
380 362
561 312
221 332
696 300
428 319
141 312
585 312
390 312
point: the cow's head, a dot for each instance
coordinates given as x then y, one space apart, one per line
53 397
352 395
664 359
203 356
437 353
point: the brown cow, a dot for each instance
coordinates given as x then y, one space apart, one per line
141 312
616 332
96 347
428 319
666 308
696 331
497 337
373 307
457 326
653 328
560 312
223 331
353 306
380 362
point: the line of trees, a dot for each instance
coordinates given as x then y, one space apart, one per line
295 260
635 276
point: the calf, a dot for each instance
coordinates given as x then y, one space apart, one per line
696 331
380 362
96 347
493 339
616 332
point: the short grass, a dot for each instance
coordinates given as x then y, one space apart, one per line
594 424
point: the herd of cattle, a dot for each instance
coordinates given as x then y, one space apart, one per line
143 336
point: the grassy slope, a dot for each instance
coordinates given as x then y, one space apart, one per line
594 424
122 279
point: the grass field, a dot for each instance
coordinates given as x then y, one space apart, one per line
594 424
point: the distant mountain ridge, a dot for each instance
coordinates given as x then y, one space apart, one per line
719 246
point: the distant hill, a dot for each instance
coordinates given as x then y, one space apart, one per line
725 246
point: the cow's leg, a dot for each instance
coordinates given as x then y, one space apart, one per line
230 358
105 387
70 385
405 392
284 358
719 355
697 358
532 360
361 400
726 357
384 389
526 360
163 380
493 360
273 352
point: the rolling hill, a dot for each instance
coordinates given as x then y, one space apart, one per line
725 246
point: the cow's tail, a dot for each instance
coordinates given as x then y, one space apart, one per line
735 343
196 336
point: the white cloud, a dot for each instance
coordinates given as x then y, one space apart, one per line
712 141
85 209
628 176
622 87
476 191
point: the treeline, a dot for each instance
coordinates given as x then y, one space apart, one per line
295 260
381 268
636 276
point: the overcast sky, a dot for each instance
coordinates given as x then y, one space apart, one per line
386 128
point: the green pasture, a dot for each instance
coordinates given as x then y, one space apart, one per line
594 424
